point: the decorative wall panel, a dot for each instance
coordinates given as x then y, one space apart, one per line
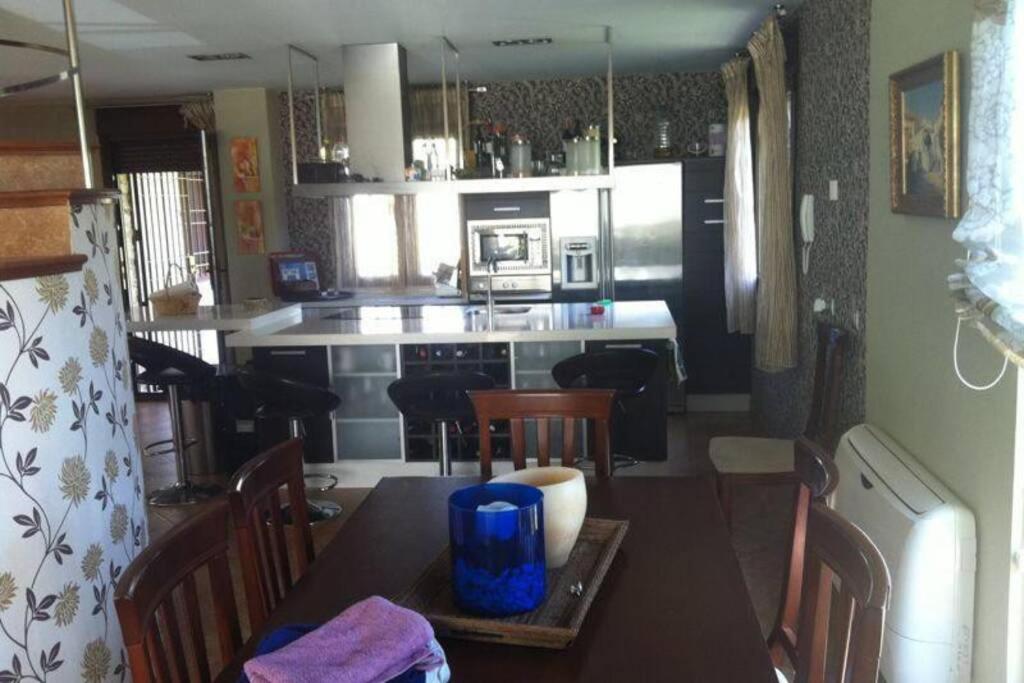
71 510
831 143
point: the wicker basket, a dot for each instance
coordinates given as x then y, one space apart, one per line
181 299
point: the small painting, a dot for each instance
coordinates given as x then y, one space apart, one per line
245 165
925 138
249 222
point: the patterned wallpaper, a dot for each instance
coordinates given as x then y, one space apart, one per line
538 108
71 509
832 143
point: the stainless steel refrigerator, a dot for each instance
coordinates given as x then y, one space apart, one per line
642 243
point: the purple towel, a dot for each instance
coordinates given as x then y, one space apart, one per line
373 640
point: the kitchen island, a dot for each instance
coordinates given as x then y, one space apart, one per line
358 351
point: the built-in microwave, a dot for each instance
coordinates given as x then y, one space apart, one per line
511 236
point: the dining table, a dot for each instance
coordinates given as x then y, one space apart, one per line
673 605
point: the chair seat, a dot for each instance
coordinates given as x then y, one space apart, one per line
751 455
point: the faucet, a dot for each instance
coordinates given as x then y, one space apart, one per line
492 268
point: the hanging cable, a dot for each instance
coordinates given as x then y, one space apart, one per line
956 363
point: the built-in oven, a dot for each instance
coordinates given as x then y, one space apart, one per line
509 238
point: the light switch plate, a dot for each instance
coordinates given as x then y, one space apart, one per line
833 190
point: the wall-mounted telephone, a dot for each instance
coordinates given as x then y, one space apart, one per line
807 229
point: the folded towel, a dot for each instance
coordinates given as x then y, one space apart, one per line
373 641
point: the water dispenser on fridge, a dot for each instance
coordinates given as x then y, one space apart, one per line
579 263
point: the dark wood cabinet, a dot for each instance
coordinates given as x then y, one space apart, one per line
716 362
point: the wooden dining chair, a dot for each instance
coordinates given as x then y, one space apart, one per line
569 405
743 461
260 529
836 549
818 477
158 602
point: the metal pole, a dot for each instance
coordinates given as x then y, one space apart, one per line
611 103
71 33
444 105
291 120
458 100
321 152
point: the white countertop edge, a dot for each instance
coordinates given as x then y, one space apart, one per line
269 338
174 323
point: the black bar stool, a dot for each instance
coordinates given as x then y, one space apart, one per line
173 371
278 398
625 371
440 398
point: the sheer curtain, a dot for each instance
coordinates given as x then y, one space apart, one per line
775 344
740 229
992 230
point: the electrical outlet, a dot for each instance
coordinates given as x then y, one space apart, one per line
833 190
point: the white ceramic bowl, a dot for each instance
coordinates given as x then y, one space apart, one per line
565 506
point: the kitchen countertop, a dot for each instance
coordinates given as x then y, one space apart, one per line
463 324
223 318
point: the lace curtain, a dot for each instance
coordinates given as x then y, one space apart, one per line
990 285
740 229
775 344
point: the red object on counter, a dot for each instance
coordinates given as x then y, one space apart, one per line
596 309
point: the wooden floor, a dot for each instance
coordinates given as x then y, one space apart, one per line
761 517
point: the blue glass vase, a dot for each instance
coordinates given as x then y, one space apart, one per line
498 565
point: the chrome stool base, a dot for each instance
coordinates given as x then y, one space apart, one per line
184 493
318 510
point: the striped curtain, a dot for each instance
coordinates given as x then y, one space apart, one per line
740 235
775 344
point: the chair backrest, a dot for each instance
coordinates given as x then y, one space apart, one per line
165 643
570 405
263 548
626 371
818 476
438 395
828 378
838 549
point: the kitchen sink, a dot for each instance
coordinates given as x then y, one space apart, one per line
501 310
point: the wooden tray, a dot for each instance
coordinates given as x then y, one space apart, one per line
554 624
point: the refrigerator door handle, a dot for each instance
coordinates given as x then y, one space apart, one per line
607 250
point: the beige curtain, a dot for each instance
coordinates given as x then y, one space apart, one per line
775 344
199 114
332 103
740 229
427 111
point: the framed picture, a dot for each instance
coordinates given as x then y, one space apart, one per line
924 130
249 224
245 165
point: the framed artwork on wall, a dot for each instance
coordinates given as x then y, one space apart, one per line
924 131
245 165
249 225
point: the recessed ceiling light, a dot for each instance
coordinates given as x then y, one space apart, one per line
220 57
521 41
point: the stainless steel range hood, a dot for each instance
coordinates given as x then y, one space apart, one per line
377 110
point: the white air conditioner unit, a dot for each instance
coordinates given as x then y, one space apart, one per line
928 540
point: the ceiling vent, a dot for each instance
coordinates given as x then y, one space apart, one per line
220 57
516 42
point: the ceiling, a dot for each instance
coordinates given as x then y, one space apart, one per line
139 48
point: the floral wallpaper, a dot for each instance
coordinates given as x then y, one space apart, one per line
831 142
71 509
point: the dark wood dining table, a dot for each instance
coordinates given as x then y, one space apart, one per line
673 605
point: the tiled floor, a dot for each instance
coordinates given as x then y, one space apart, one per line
760 517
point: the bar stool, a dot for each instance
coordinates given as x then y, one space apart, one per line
173 371
440 398
278 398
625 371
